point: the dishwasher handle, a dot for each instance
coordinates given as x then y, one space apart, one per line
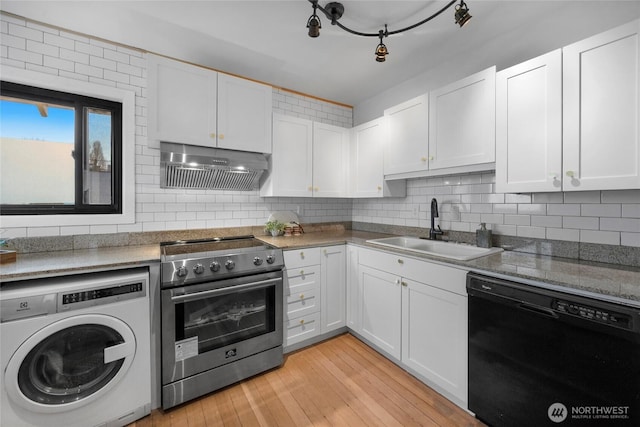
539 310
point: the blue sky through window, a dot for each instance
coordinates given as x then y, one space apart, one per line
23 121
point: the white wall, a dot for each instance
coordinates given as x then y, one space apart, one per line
26 45
608 217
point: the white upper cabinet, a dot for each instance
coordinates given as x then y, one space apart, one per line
244 114
366 171
529 126
308 160
407 144
462 122
601 111
182 102
330 160
291 168
198 106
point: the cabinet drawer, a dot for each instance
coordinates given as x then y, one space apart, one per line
304 302
303 276
390 263
302 328
301 257
441 276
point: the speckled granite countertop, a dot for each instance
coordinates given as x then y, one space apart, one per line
47 264
611 281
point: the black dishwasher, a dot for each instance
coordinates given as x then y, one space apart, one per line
540 357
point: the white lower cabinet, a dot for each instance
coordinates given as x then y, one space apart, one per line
416 312
381 301
333 291
434 336
315 292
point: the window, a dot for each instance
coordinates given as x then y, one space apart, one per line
60 153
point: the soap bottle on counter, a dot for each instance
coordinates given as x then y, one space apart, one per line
483 236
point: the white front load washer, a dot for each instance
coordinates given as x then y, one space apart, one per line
75 350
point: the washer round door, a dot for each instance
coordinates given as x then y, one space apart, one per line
70 363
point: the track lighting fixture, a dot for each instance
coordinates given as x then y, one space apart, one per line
335 10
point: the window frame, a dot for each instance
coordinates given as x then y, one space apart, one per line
127 184
80 104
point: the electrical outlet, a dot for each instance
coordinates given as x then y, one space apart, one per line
416 211
299 210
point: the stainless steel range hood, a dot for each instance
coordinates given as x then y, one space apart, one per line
190 166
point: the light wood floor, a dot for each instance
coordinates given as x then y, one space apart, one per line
339 382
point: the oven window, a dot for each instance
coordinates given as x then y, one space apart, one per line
226 319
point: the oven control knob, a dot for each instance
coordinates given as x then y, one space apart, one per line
257 261
271 259
198 269
230 264
182 271
215 266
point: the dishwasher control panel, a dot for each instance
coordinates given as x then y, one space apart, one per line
593 313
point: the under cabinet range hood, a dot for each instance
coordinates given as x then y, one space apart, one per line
195 167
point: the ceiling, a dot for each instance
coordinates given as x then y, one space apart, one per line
267 40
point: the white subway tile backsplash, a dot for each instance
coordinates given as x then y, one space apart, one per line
534 232
582 197
580 223
546 221
563 234
59 41
631 211
521 220
565 210
630 239
621 196
532 209
620 224
600 237
612 210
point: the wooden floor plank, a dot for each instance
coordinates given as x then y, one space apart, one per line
339 382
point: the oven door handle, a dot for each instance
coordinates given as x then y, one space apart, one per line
226 290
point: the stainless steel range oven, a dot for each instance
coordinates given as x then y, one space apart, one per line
222 308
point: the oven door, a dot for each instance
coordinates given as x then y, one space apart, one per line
211 324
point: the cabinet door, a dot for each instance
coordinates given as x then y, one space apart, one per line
407 142
434 336
381 308
333 288
182 102
244 114
353 289
291 167
462 120
330 160
601 111
529 126
367 161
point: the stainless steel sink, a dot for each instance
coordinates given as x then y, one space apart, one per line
435 247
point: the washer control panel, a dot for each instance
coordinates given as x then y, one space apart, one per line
95 294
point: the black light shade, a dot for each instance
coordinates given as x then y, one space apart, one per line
462 14
313 24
